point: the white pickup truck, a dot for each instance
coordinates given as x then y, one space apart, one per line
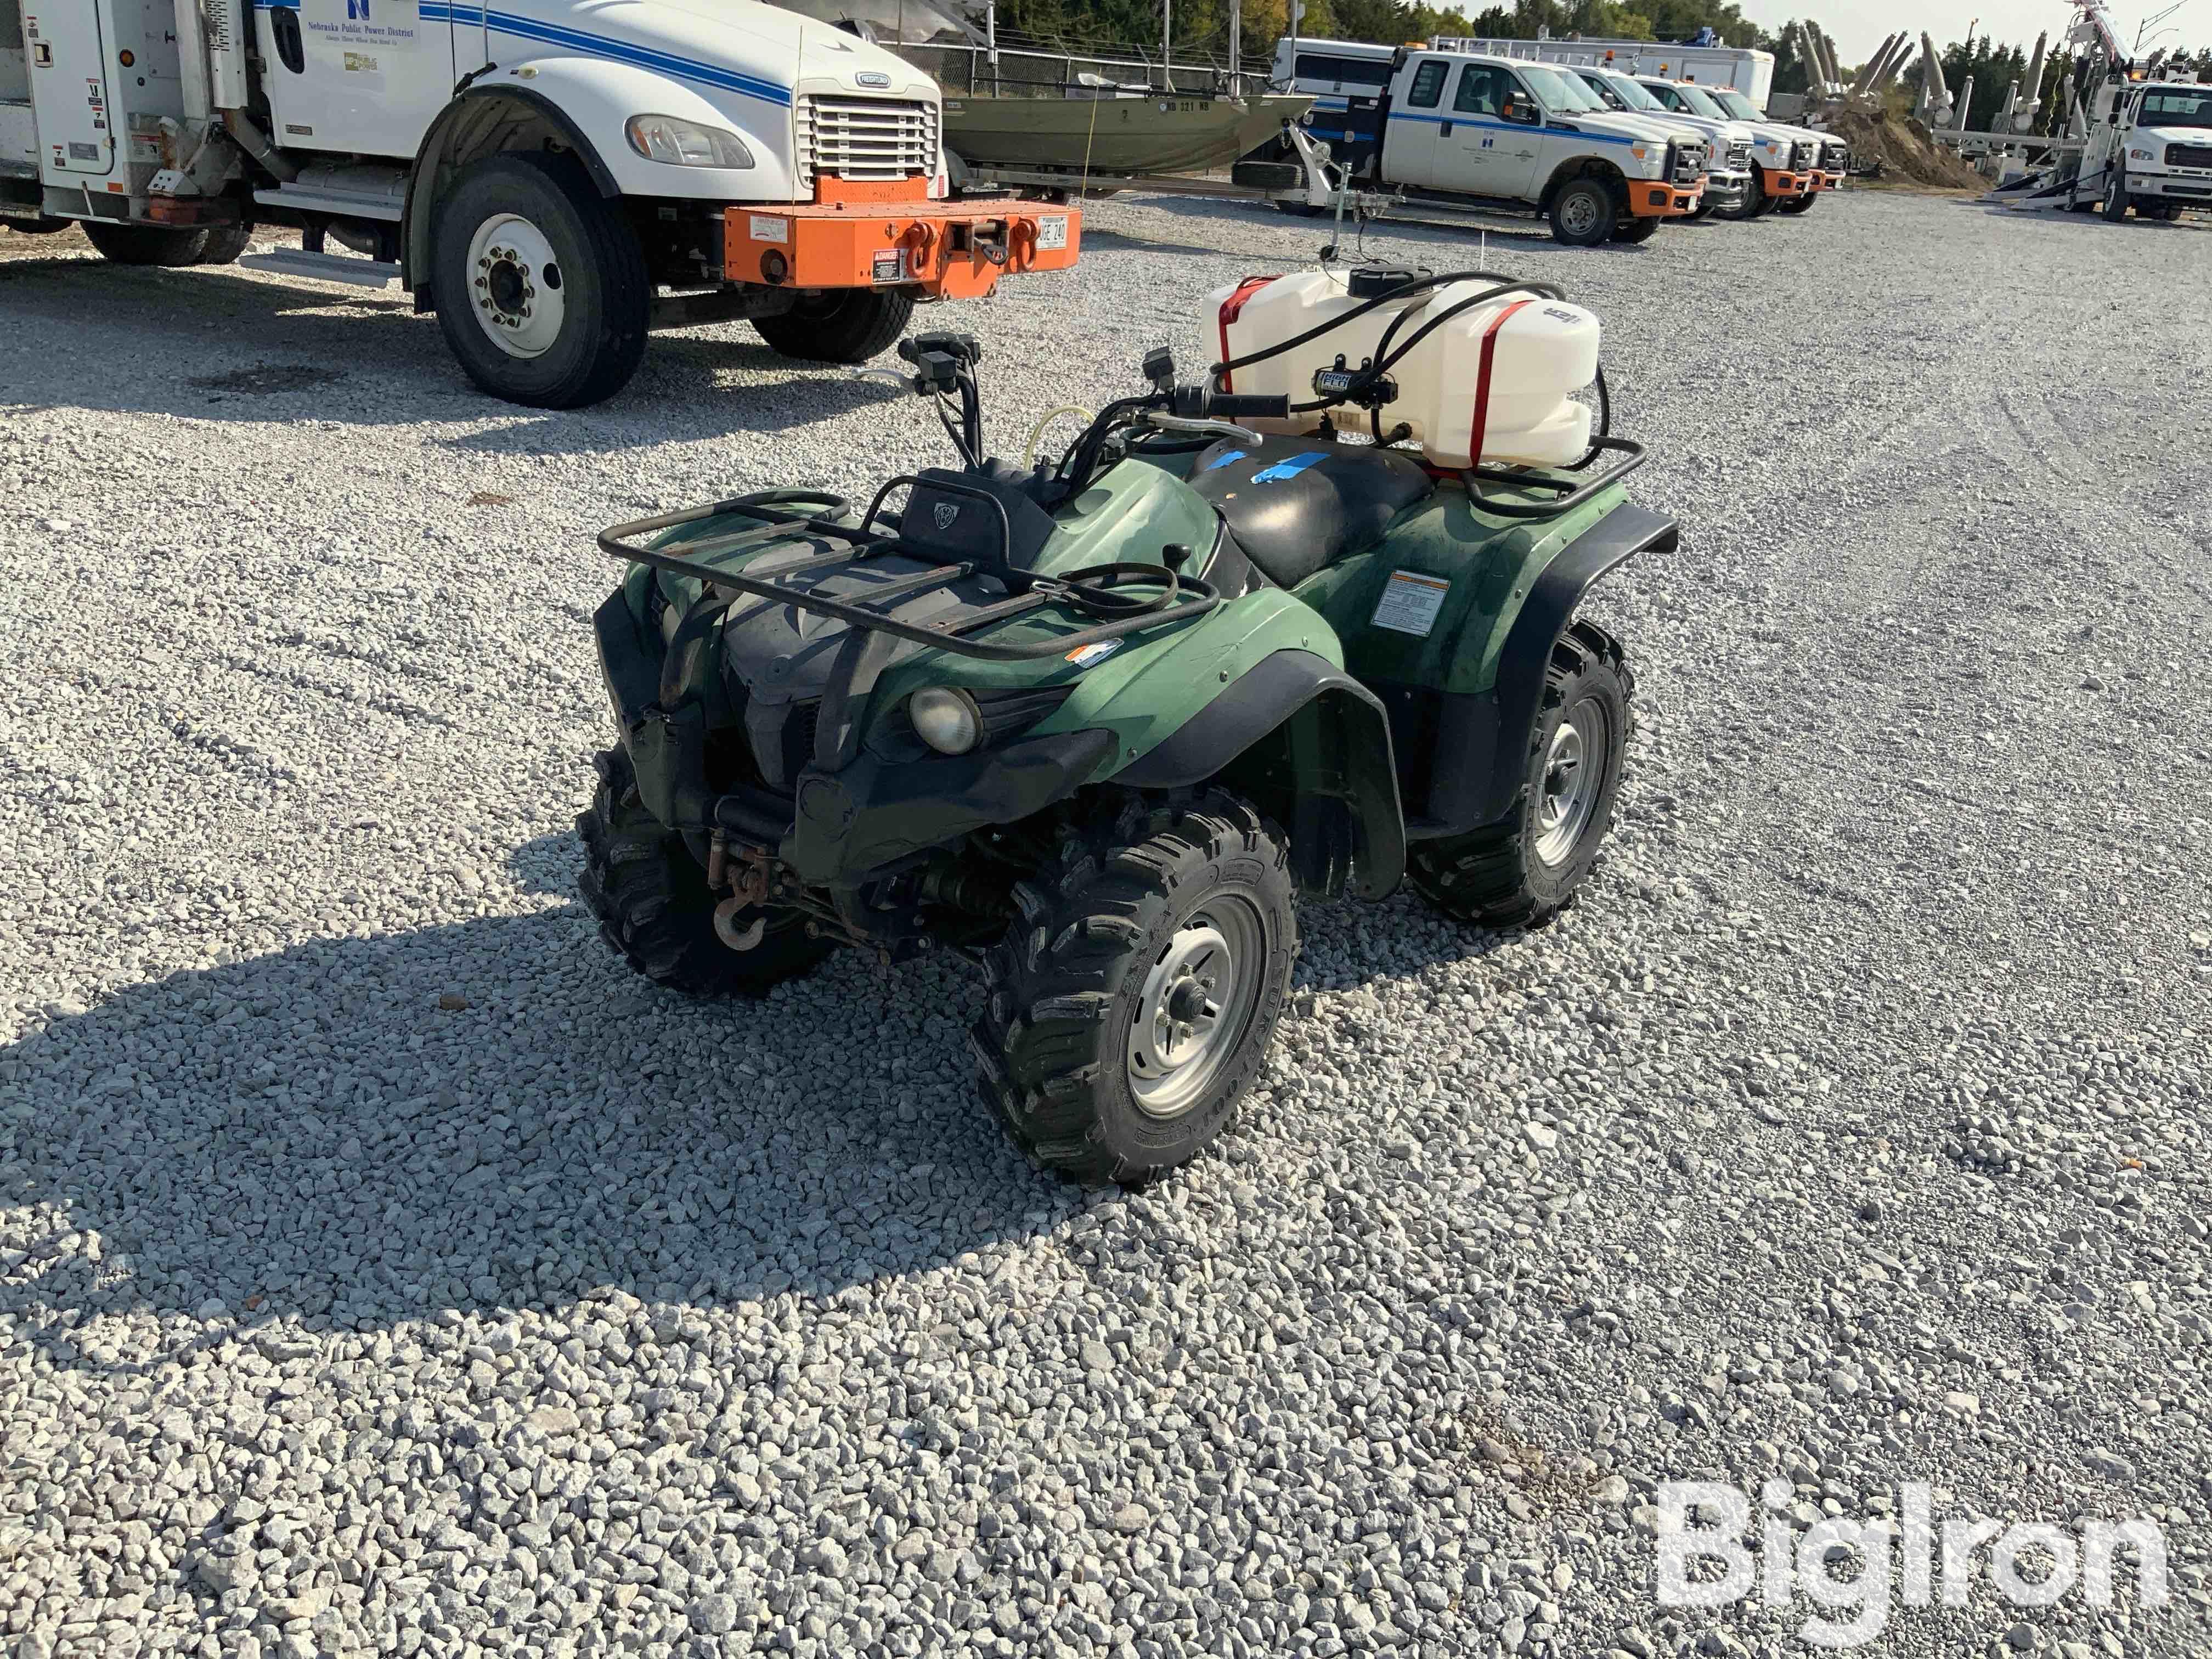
1470 129
1728 173
1785 170
552 177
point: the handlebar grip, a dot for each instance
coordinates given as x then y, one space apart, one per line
1230 405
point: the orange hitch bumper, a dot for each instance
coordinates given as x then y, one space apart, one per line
951 249
1662 201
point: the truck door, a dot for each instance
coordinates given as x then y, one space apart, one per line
1414 131
361 76
1490 146
70 95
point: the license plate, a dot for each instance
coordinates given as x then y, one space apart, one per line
1052 231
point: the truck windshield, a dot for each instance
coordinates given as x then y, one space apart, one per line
1631 94
2176 106
1559 91
1735 104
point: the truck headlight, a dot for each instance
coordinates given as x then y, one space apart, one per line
945 719
685 143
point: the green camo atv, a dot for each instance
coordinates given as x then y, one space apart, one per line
1103 724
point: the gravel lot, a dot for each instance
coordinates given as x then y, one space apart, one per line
382 1269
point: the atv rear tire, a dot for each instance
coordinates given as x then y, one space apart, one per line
1584 212
1524 869
655 909
165 245
1132 1000
847 326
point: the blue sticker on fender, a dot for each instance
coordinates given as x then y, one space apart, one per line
1223 460
1290 468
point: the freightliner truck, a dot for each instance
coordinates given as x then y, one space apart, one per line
552 177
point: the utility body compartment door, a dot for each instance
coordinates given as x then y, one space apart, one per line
68 52
367 76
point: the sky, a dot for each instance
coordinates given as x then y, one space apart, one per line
1859 25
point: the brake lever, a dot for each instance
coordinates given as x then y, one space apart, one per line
1201 429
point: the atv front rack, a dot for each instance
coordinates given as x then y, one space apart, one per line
785 513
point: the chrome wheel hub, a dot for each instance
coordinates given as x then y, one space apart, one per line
515 285
1196 1006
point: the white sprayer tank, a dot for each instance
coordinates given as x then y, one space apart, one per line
1540 352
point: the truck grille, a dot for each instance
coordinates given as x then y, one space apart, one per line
876 138
1836 157
1803 155
1739 158
2188 156
1689 163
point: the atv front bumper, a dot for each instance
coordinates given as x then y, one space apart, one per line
839 828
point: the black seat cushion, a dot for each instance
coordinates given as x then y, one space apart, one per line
1296 504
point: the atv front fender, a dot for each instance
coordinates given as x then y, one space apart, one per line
1482 745
1310 745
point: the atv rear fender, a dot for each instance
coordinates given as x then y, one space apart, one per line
1482 738
1311 747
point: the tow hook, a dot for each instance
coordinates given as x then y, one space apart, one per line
748 891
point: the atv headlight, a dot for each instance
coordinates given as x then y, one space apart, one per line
685 143
945 719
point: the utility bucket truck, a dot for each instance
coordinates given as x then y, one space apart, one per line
553 177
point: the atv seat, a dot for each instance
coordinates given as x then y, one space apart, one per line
1295 505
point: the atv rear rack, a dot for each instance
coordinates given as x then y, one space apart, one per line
785 513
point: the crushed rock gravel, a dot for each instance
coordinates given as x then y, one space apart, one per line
382 1270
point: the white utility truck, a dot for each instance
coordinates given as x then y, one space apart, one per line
551 177
2148 147
1463 129
1785 161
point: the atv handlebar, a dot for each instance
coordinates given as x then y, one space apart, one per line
1232 405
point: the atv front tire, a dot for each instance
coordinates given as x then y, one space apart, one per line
655 909
1524 869
849 326
1132 1000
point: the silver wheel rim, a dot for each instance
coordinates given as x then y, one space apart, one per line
1574 772
1196 1007
1579 213
516 285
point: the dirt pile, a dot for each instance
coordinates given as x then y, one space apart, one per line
1902 146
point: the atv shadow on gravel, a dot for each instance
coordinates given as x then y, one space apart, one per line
282 1153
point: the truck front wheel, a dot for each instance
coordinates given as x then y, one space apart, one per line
1798 203
847 326
1636 230
2116 197
1754 199
542 288
1584 212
